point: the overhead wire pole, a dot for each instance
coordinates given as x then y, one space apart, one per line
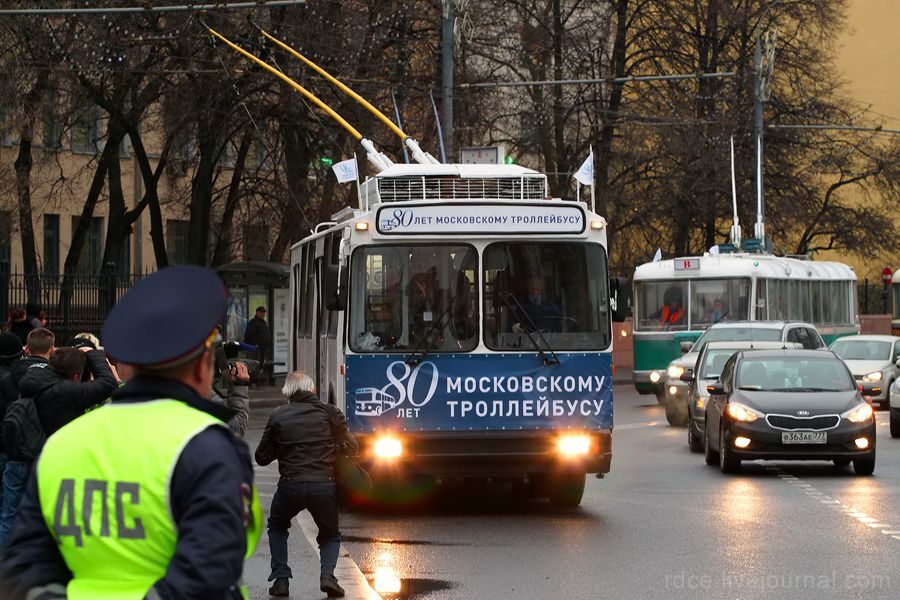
448 47
147 9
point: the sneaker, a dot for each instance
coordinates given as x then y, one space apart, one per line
280 587
329 585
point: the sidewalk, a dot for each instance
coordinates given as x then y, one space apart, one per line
266 397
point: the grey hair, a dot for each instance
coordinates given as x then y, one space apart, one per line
298 381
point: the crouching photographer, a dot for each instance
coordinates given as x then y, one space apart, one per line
231 386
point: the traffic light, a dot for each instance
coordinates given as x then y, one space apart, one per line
325 161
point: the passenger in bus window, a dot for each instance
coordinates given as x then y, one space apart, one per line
716 313
540 309
671 313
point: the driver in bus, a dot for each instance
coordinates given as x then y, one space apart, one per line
545 314
717 313
424 300
672 311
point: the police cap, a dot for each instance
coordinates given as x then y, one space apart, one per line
166 319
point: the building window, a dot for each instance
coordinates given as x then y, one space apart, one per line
86 129
256 242
51 245
177 241
52 128
92 249
5 235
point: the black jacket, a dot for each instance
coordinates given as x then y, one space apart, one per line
60 401
8 393
257 333
21 329
207 494
304 436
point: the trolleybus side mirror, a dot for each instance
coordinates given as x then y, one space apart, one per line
620 298
686 347
335 287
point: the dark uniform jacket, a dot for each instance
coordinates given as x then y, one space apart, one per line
257 333
60 401
207 493
304 436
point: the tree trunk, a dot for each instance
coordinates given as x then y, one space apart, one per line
222 253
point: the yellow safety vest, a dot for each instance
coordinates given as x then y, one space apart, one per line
104 484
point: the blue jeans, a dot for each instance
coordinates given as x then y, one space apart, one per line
320 499
15 476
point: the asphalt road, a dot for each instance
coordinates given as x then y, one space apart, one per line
662 524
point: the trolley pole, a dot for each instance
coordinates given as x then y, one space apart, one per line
760 227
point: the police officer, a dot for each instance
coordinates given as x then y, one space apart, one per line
150 496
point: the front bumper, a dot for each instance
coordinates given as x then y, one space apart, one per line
765 442
643 383
498 454
676 389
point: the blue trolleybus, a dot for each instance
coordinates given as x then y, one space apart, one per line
462 320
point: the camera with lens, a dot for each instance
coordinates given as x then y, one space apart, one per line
227 354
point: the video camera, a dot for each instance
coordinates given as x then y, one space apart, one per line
227 353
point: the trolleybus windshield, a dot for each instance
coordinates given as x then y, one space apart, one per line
403 294
559 289
677 305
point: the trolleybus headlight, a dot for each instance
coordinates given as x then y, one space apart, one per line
860 413
654 377
675 371
573 445
870 377
388 447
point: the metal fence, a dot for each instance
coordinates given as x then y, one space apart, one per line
873 297
73 304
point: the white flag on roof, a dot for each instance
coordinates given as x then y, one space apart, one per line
585 173
714 250
658 256
345 170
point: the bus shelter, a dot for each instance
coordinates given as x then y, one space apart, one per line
254 284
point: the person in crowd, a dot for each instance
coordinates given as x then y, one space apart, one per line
34 313
188 514
19 325
304 436
10 352
59 391
538 308
257 334
39 347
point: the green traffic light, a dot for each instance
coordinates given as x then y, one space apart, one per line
326 161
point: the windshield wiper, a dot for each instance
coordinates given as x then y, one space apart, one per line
419 353
753 388
725 314
552 359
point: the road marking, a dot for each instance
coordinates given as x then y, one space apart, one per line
628 426
848 511
348 573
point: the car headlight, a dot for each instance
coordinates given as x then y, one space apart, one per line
739 412
654 377
876 376
675 371
859 413
701 402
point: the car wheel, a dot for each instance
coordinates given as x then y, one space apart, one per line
566 490
895 423
712 457
728 464
675 412
694 441
864 466
841 462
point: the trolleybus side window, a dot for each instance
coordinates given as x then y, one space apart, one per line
558 289
414 297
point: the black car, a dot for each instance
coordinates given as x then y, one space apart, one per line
788 405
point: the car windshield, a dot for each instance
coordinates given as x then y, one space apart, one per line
414 297
849 349
737 334
713 362
793 374
550 294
